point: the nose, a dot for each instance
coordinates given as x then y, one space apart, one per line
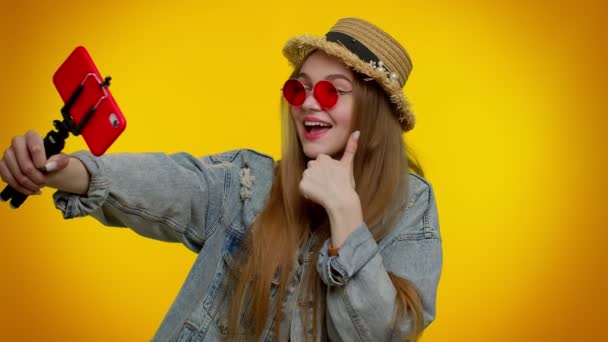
310 103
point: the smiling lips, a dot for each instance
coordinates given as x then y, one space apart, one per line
315 128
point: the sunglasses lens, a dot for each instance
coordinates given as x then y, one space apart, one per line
326 94
294 92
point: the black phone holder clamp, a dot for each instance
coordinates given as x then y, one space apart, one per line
54 141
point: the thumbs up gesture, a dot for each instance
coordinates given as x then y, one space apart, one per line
330 182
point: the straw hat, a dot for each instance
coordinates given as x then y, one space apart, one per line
367 49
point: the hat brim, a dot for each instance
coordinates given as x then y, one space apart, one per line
298 48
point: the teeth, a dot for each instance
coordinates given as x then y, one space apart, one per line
315 123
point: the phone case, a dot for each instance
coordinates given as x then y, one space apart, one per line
107 121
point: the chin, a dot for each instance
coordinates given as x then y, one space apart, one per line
312 152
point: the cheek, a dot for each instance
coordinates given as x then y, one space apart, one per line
344 116
294 113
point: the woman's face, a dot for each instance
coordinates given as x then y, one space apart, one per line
331 137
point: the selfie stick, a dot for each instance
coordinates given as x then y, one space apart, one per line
55 140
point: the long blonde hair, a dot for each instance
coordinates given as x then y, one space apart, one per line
381 167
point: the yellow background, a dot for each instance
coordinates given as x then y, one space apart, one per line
510 130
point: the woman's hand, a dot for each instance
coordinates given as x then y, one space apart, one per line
23 163
327 181
331 184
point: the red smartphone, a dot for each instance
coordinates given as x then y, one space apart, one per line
107 121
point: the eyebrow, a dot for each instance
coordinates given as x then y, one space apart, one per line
328 77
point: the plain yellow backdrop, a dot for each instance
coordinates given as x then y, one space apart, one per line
510 120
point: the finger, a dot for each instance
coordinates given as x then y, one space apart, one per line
350 149
8 178
19 177
35 145
322 157
303 187
57 162
25 162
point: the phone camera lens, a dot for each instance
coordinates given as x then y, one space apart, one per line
114 120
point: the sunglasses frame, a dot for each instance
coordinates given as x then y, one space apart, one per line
314 91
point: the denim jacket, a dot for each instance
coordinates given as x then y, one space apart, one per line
208 203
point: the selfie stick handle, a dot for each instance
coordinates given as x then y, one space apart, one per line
53 144
54 141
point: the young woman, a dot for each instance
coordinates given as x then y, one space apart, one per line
336 240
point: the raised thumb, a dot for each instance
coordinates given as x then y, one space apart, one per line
351 148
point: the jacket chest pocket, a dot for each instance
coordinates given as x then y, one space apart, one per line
224 284
224 289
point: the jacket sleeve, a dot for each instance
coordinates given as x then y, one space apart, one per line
176 198
360 295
